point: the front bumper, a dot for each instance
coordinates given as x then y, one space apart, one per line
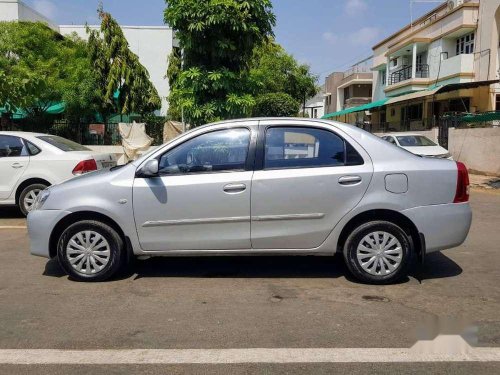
41 223
444 226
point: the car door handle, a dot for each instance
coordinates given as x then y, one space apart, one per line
234 188
16 165
349 180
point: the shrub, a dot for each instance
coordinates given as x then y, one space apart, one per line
275 105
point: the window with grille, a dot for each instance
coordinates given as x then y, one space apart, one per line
465 44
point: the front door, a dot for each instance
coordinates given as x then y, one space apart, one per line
309 179
201 200
14 159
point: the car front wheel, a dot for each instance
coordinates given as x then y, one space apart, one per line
28 196
90 250
378 252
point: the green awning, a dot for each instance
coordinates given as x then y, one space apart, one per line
364 107
54 109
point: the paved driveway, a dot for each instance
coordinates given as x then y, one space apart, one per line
254 302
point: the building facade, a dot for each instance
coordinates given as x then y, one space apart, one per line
444 62
152 44
349 89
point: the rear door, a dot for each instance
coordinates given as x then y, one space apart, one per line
306 179
14 159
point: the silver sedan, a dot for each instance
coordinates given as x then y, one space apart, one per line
259 186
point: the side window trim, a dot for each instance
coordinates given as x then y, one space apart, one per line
250 159
28 149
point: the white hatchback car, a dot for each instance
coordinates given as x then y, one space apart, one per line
418 144
30 162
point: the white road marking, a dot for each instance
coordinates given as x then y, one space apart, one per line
13 227
229 356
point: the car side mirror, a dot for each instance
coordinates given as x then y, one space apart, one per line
150 169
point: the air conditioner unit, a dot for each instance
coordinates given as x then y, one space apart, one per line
452 4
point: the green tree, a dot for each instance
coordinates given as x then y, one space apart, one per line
39 67
275 105
124 85
273 70
217 38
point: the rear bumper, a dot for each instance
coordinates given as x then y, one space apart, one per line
444 226
41 223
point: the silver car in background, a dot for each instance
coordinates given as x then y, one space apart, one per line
259 186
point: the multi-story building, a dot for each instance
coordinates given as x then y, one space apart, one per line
446 61
349 89
443 62
152 44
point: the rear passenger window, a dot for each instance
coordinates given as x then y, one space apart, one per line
296 147
11 146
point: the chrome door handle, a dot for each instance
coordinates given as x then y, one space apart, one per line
234 188
16 165
349 180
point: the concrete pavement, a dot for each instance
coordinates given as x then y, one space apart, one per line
258 302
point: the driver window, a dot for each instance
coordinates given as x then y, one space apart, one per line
221 150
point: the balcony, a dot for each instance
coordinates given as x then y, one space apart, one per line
459 67
405 73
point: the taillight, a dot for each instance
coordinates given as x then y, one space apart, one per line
462 194
85 166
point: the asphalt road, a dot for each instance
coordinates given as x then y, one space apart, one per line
251 302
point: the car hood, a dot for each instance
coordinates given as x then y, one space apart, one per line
427 150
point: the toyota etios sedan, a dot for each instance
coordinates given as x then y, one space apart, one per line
259 186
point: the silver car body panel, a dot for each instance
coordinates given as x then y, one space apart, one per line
287 211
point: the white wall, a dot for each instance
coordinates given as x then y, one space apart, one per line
14 10
478 149
153 45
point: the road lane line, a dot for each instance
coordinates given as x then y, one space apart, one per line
13 227
231 356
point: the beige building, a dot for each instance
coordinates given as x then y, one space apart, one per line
349 89
444 62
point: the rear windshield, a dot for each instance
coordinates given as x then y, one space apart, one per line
414 140
63 143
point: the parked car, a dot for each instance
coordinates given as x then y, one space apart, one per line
418 144
30 162
259 186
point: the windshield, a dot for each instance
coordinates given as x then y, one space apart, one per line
63 143
414 141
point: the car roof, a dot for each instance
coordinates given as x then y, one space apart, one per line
404 133
21 133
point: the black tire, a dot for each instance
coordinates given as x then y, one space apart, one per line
26 191
116 250
354 265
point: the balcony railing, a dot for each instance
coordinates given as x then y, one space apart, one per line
405 73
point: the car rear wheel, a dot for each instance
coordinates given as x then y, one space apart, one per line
28 196
378 252
90 251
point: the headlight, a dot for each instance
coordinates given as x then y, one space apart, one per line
40 199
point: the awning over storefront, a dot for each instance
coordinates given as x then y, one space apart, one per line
364 107
413 95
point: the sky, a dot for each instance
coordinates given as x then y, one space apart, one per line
329 35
